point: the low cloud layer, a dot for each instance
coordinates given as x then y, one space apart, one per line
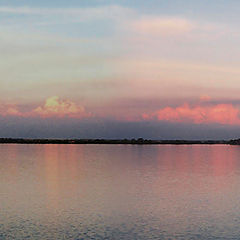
220 113
63 118
202 112
54 107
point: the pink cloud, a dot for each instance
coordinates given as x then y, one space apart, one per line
198 113
9 110
162 26
221 113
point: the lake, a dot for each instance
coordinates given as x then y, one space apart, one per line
119 192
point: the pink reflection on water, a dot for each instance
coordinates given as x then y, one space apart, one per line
203 169
223 161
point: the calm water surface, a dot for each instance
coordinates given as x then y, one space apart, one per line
119 192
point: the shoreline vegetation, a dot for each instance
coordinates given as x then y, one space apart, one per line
139 141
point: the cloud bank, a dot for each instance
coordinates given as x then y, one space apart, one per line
220 113
201 113
54 107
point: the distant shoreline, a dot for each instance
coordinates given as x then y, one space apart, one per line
139 141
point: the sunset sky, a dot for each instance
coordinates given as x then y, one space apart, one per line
120 69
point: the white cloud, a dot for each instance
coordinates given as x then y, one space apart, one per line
54 106
82 14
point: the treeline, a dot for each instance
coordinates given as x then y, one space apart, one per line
113 141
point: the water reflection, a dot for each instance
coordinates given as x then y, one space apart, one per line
62 171
11 156
51 162
223 162
119 192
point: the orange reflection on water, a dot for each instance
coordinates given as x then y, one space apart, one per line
63 168
72 163
51 159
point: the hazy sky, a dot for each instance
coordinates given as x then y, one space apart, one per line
109 69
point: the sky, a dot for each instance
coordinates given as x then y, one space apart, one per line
155 69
